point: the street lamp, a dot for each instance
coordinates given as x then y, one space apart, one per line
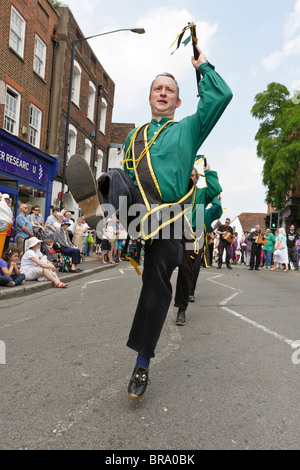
74 42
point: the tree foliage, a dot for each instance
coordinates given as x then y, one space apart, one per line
278 140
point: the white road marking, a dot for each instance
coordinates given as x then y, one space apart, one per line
113 389
242 317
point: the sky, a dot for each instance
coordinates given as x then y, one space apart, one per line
251 44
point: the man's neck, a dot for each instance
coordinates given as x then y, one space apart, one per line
159 118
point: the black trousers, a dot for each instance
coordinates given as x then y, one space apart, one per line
160 260
255 255
209 249
196 270
184 279
73 252
224 244
187 277
292 253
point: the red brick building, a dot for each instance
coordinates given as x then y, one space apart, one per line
119 132
91 103
35 61
26 52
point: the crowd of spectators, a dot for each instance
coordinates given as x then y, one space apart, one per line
40 244
43 245
280 250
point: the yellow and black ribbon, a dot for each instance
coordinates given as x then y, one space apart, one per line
193 36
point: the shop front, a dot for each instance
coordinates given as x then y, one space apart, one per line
26 173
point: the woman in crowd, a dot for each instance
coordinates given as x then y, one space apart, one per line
243 247
115 239
248 248
281 254
35 265
59 218
77 234
108 234
268 249
10 275
61 237
36 219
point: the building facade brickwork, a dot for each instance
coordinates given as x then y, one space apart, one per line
92 131
37 21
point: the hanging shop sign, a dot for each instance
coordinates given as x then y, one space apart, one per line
22 164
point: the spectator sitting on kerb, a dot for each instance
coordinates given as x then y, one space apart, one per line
10 275
35 265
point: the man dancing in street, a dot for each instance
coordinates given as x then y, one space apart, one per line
159 159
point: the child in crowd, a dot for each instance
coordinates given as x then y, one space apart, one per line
51 255
10 275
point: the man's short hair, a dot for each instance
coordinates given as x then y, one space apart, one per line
166 74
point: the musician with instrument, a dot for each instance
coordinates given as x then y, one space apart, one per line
258 240
225 242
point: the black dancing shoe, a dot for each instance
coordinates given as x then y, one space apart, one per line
180 320
138 383
228 266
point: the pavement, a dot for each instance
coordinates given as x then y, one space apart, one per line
89 266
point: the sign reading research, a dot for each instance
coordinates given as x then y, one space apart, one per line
22 164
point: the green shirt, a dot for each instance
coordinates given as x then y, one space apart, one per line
270 244
174 151
205 196
212 213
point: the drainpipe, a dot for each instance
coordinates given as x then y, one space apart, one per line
55 43
99 94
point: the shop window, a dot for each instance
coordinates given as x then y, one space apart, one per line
17 32
12 111
32 196
72 140
91 102
87 151
39 60
35 119
99 164
76 83
103 116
